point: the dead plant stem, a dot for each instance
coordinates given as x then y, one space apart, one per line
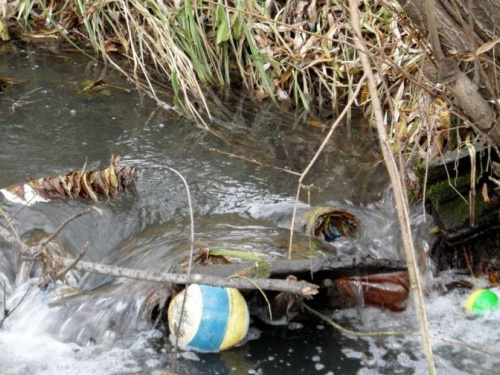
396 333
316 155
399 190
251 160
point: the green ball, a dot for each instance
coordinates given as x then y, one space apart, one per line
482 300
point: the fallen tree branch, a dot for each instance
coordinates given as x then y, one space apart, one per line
333 267
300 288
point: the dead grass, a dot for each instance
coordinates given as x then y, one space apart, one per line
297 53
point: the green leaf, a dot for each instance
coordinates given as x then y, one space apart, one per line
237 27
223 33
175 86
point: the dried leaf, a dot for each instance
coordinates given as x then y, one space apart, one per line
76 183
88 186
113 181
487 46
65 186
316 124
484 192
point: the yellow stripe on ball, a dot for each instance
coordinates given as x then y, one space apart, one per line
237 325
482 300
472 299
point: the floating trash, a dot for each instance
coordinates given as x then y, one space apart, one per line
387 290
482 300
214 318
330 223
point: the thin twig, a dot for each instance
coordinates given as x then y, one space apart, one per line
7 313
261 292
252 161
396 333
190 262
316 155
467 262
72 265
357 333
69 220
9 222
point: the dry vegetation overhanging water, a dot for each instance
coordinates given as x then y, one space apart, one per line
296 53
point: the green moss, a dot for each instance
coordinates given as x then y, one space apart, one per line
447 190
454 214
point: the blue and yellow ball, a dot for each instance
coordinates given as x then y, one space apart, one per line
214 318
482 300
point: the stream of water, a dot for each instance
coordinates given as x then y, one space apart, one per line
49 126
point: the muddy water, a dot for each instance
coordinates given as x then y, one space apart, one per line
49 126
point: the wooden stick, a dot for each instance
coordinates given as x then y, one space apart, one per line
73 264
300 288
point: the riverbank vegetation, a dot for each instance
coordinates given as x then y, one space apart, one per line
296 53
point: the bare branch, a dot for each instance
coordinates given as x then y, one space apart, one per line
69 220
6 312
301 288
430 12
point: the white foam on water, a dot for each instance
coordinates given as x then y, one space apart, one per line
319 366
37 354
450 325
